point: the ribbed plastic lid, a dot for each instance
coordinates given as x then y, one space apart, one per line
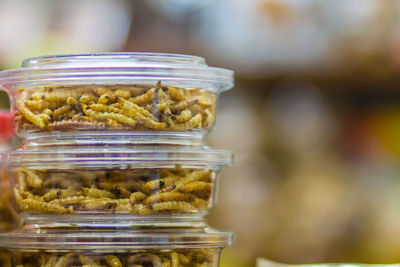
171 69
139 156
112 240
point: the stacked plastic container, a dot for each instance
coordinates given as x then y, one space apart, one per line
114 170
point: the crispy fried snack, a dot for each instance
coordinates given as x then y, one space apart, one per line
165 258
113 107
136 191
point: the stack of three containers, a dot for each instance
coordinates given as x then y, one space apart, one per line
113 170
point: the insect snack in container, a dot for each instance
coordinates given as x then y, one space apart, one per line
114 92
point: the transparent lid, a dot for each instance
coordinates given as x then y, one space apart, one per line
128 67
133 156
111 239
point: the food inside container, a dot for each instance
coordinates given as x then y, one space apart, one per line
157 248
140 181
115 92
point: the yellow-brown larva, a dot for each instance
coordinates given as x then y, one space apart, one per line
112 123
102 116
85 260
72 101
137 197
176 93
166 262
134 260
144 98
36 120
48 112
97 193
138 109
122 191
59 193
209 117
123 94
70 200
157 184
113 261
100 91
199 203
73 124
184 116
44 117
194 122
97 204
64 261
103 99
52 194
166 197
167 116
51 261
174 205
141 209
32 179
132 113
39 206
204 101
174 259
182 105
37 104
192 177
61 110
104 108
196 186
87 98
183 259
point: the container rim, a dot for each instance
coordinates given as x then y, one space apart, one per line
111 239
122 67
136 156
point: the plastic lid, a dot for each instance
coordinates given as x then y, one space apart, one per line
6 125
171 69
135 156
112 240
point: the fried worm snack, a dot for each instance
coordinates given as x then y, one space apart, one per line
154 258
135 191
113 107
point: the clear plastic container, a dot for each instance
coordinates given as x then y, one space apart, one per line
134 92
142 183
135 247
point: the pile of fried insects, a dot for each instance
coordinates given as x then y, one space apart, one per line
184 258
138 191
120 107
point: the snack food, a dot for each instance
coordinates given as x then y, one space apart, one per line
137 180
136 191
155 258
133 247
113 107
132 92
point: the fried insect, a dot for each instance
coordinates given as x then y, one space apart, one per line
46 207
103 116
36 120
174 205
196 186
113 261
137 191
122 107
97 193
155 258
137 197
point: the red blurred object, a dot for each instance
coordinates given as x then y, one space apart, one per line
6 125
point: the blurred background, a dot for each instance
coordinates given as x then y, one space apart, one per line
314 118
